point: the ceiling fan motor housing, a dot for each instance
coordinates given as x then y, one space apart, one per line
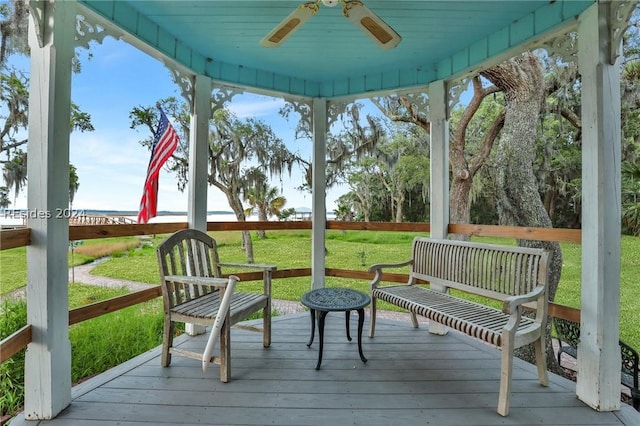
330 3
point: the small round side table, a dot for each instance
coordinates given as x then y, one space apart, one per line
321 301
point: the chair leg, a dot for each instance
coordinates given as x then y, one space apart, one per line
541 361
167 341
266 325
372 317
225 351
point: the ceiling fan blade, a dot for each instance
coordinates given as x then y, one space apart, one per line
371 24
290 24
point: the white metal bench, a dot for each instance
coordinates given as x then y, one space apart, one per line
515 275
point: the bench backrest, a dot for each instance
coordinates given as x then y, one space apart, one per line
489 270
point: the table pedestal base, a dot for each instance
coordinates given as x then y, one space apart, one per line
321 318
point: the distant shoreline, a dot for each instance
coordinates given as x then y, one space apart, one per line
15 217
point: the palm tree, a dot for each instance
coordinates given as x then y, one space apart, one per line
266 200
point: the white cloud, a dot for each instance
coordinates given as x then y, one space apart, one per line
255 106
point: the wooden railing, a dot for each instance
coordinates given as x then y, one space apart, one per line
18 238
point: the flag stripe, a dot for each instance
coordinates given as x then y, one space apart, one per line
164 144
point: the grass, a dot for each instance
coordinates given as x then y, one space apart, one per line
13 267
96 345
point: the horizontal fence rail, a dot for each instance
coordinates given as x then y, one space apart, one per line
21 338
15 343
22 237
15 238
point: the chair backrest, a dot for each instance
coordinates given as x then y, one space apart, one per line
187 252
568 331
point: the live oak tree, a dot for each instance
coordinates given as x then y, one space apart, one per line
521 81
14 95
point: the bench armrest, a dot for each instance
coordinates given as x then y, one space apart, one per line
378 267
511 304
206 281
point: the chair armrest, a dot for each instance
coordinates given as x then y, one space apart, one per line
207 281
511 304
250 265
378 267
266 272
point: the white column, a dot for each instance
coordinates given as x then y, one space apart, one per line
439 206
319 202
439 171
598 382
199 154
48 358
198 166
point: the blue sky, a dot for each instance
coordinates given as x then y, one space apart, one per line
110 161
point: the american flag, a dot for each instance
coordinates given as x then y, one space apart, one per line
165 143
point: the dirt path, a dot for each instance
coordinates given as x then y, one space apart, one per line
82 274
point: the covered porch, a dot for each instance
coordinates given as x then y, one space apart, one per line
411 377
223 54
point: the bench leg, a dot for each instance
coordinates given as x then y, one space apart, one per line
541 361
505 376
372 317
414 319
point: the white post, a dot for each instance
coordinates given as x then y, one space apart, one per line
439 206
199 154
198 166
598 382
48 358
319 202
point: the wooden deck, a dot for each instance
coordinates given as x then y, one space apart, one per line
411 378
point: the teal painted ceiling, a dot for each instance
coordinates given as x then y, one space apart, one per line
329 56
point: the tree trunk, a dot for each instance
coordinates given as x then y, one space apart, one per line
247 243
463 169
460 203
399 203
262 217
519 202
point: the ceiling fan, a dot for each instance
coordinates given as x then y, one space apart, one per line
354 10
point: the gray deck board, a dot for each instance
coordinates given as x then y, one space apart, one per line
411 378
